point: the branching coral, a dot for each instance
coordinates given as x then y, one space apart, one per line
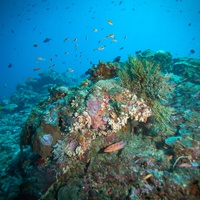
144 78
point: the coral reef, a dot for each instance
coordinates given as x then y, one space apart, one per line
187 68
29 93
95 140
104 112
160 57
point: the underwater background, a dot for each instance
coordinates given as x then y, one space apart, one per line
99 100
171 25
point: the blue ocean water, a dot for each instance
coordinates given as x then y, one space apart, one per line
171 25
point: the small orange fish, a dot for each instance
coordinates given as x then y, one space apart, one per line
95 30
114 40
169 158
110 22
147 176
115 147
151 159
37 69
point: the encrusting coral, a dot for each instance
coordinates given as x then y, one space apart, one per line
144 78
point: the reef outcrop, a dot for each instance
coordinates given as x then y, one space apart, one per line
101 139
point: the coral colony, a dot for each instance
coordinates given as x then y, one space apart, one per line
120 134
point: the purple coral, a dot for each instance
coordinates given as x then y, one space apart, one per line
47 139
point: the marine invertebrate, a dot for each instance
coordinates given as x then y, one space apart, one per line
47 139
144 78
